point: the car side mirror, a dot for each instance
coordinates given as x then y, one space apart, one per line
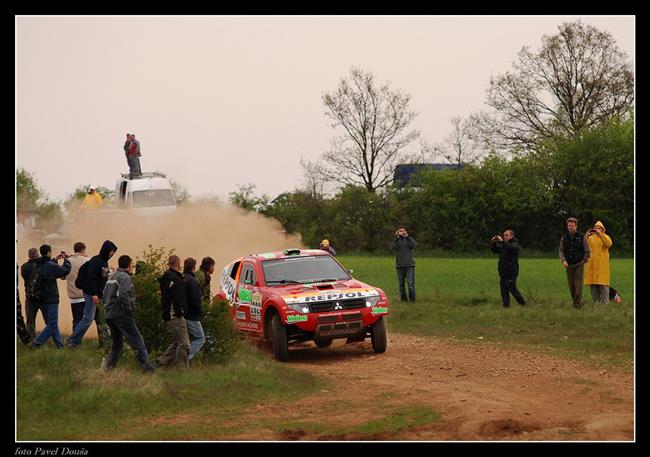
350 270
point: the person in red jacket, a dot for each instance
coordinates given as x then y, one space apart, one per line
132 150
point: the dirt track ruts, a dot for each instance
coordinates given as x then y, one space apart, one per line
483 392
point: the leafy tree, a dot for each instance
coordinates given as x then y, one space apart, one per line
28 193
577 80
244 197
375 122
32 201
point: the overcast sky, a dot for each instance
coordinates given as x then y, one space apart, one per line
226 100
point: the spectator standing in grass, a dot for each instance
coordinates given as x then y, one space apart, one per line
173 297
597 267
574 252
32 304
203 276
508 250
403 246
194 312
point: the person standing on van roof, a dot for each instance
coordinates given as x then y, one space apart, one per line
132 150
92 200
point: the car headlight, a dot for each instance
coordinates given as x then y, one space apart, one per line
372 301
300 307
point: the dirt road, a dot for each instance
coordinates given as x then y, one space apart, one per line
482 391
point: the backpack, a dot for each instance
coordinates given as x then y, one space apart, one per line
80 282
36 287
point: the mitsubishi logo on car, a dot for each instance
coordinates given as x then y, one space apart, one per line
337 306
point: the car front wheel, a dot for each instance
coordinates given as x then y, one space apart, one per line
279 339
378 336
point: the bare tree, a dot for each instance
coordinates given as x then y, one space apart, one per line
459 147
374 122
579 78
314 184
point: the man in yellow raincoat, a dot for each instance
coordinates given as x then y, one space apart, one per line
597 267
92 200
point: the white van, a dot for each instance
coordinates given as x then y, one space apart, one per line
148 193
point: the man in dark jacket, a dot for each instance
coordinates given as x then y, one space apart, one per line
508 250
173 299
32 305
574 252
96 275
193 312
50 271
21 328
403 246
119 300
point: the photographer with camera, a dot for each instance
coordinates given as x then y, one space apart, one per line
403 246
508 266
47 293
597 267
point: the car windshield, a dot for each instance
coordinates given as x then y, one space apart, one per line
303 270
153 197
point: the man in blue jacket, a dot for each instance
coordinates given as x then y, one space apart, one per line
48 294
96 276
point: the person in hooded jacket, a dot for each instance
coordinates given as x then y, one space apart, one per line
508 250
97 273
50 271
597 267
119 301
173 303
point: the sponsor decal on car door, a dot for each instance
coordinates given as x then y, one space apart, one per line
249 301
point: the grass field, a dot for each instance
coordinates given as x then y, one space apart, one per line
459 298
62 395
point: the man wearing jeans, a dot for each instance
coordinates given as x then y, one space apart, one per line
574 252
193 312
404 262
96 275
119 300
50 271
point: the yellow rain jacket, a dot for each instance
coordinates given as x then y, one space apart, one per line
597 267
92 201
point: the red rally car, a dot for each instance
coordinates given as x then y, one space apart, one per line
302 295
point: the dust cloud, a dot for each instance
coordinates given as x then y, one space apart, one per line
194 230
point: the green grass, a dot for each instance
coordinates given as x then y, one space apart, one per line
459 298
62 395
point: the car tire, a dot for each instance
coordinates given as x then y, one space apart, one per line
279 339
378 336
323 343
